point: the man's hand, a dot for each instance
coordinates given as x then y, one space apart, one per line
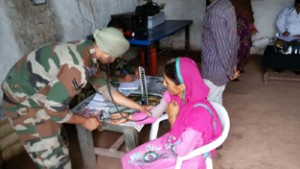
91 123
235 74
146 108
252 29
286 33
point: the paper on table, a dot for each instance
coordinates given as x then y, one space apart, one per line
130 85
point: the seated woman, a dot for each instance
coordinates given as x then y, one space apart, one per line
193 121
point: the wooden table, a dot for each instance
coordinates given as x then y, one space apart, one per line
273 59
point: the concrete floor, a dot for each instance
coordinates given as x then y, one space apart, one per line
265 122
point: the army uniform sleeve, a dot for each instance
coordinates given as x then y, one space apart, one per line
69 82
101 85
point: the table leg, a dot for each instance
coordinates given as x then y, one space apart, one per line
86 144
153 61
149 60
187 40
266 75
131 138
143 57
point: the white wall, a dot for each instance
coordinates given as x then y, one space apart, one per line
9 50
78 18
184 9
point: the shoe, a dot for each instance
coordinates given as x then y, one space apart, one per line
297 72
277 70
241 69
236 80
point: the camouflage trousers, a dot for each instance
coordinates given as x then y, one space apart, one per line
47 152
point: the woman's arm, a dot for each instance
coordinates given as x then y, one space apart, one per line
159 109
188 141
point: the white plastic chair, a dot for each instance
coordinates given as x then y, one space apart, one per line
224 119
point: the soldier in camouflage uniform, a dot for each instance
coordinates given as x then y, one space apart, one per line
39 87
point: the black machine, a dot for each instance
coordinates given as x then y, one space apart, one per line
131 23
134 23
148 9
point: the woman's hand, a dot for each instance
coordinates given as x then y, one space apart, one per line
91 123
172 111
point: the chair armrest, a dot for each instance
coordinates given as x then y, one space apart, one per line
155 125
225 121
204 149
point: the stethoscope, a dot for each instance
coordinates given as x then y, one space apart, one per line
126 117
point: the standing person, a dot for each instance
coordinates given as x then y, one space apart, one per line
245 28
39 87
219 48
288 22
187 102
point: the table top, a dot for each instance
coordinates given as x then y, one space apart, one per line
169 27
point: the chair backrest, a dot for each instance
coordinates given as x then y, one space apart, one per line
224 119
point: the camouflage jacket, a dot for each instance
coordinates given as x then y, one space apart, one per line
49 77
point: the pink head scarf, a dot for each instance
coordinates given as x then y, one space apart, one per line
196 92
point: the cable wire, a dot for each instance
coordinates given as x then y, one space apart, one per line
115 105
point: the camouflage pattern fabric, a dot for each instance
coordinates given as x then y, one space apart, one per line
37 92
48 152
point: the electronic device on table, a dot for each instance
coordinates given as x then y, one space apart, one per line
144 90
